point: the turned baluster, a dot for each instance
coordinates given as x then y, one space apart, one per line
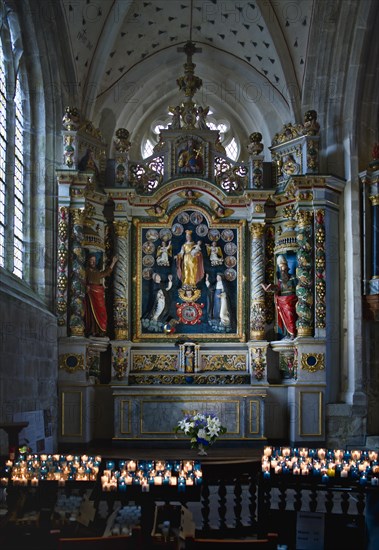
205 510
313 499
238 503
361 502
222 504
297 504
253 500
345 502
329 501
282 498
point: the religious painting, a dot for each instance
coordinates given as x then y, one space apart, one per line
189 277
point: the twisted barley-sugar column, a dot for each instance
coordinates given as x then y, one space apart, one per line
304 274
121 281
62 266
78 273
257 293
374 199
320 266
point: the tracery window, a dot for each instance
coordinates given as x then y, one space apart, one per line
228 140
12 151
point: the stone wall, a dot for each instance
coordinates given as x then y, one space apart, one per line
28 360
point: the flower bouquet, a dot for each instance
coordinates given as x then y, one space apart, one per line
203 429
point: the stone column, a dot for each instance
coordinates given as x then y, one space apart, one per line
257 270
304 274
78 275
121 281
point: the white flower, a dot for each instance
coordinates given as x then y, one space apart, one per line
201 426
202 434
185 425
213 431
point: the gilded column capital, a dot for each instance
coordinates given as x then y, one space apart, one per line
121 228
374 199
304 217
257 230
78 215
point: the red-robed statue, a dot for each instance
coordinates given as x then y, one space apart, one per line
285 298
95 309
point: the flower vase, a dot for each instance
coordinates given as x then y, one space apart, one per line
201 451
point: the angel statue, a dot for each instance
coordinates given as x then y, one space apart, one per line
164 253
215 253
176 114
219 211
159 211
202 114
189 194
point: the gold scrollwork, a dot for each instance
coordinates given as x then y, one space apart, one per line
71 362
154 362
224 362
313 362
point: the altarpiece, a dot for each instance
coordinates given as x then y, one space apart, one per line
206 281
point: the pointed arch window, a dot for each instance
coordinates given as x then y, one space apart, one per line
3 150
18 191
12 152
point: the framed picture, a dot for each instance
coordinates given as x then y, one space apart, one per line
188 277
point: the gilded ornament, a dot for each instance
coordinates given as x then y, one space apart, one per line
183 379
257 335
304 331
78 215
258 362
257 230
71 119
259 208
288 132
255 147
311 126
155 362
122 143
289 212
304 217
71 362
374 199
313 362
121 228
224 362
121 334
62 230
62 282
120 361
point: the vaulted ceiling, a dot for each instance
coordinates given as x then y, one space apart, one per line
253 58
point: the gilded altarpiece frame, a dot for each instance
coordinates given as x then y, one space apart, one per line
188 277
